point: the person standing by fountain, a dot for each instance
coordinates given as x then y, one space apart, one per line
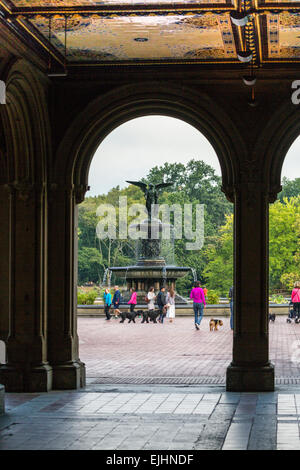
199 303
107 303
171 304
132 302
151 299
161 303
231 306
116 301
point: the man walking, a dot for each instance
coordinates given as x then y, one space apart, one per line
116 301
231 306
161 302
197 295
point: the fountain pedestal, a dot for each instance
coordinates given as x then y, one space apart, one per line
151 268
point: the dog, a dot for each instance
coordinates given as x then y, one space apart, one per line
272 317
150 315
129 315
214 324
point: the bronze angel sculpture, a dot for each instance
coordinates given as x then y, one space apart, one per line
151 191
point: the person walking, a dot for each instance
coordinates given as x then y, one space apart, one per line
295 298
197 295
151 299
161 303
132 302
107 303
230 295
116 301
171 304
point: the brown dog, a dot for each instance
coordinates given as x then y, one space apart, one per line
214 324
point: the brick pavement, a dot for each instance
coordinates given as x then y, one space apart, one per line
155 353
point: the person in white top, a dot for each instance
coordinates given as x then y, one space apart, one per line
151 299
171 304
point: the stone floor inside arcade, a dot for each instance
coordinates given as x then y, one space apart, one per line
153 387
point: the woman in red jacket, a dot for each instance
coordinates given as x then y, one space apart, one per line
295 298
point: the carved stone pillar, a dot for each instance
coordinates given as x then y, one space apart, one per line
5 271
250 369
27 369
68 370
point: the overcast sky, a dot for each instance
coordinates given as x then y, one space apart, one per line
132 149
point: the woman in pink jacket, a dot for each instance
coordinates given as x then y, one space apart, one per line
295 298
132 302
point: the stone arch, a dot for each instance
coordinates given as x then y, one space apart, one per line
276 140
27 122
107 112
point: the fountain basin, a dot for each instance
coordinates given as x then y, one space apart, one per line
141 278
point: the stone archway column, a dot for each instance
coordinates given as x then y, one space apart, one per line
27 369
250 369
68 370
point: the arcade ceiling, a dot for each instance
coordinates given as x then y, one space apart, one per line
110 32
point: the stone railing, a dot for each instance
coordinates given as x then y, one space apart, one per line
222 310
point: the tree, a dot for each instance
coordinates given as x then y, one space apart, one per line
89 265
219 269
290 188
284 236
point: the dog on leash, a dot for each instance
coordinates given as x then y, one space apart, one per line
214 324
272 317
150 315
129 315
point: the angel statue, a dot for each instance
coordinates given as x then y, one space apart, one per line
151 192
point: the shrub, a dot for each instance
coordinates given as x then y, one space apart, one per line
212 297
277 299
86 298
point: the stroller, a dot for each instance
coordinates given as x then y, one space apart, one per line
292 314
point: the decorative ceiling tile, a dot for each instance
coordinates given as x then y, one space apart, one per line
283 32
159 37
78 3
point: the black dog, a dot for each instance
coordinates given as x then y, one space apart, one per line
130 315
272 317
150 315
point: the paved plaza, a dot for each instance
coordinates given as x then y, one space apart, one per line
148 413
175 352
152 418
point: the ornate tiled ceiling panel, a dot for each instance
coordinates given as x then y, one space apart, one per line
171 37
110 32
283 32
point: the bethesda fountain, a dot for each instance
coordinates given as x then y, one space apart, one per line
155 258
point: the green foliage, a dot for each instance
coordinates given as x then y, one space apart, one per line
219 255
288 279
194 183
89 265
212 297
284 233
86 298
277 299
290 188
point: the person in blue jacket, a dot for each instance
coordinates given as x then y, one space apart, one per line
107 303
116 301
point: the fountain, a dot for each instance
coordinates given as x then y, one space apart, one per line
151 268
